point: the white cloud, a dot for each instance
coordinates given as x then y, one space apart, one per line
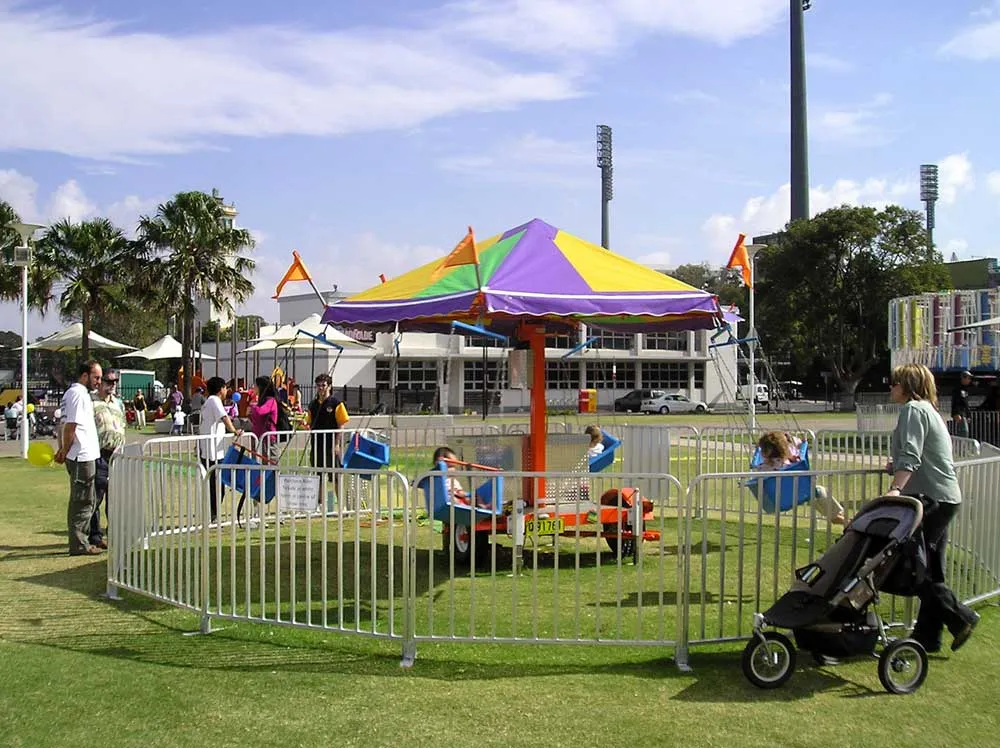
767 213
68 200
954 246
147 93
954 176
993 182
693 96
980 41
529 157
828 62
859 124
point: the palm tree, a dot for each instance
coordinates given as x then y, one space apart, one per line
96 262
197 256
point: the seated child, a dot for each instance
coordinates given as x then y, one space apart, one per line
456 494
779 450
596 441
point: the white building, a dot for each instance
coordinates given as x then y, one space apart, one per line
207 311
452 365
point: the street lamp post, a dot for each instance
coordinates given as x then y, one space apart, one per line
22 259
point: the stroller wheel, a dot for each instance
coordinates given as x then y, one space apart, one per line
768 663
902 667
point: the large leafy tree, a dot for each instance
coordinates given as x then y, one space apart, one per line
824 285
197 255
40 277
96 264
717 280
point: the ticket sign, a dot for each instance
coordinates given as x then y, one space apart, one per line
298 493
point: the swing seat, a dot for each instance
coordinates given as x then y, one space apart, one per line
791 490
605 459
363 453
247 481
438 500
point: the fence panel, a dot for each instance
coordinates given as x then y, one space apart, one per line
973 561
544 574
314 556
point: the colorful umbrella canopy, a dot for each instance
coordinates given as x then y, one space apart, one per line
538 272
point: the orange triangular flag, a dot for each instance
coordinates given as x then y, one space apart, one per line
296 272
464 253
740 258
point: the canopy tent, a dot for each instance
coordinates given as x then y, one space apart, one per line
532 272
71 339
528 282
166 347
302 335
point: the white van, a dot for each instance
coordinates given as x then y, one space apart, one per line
763 394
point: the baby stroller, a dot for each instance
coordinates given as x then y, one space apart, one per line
829 607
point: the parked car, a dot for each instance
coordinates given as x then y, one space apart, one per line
663 402
632 401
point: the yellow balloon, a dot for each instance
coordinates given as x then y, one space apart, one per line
31 407
41 454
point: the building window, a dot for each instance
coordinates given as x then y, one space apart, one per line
616 341
599 375
665 341
496 376
699 376
666 375
560 341
562 375
413 374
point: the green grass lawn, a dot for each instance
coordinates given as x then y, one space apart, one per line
79 669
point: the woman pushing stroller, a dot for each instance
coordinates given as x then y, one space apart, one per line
922 464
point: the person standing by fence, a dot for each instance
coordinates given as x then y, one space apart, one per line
960 411
215 423
922 465
109 418
79 450
326 413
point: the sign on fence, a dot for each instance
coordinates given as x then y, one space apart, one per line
298 493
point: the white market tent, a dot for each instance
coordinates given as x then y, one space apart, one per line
71 339
166 347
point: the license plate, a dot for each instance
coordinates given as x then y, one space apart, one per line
544 526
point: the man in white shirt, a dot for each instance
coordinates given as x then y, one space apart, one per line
215 424
80 449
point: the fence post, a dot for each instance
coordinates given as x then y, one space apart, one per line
205 625
409 577
683 574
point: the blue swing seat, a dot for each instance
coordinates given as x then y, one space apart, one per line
363 453
247 481
792 489
605 459
438 499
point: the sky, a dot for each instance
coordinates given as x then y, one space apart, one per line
368 136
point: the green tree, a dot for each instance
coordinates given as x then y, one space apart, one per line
197 254
95 262
824 285
40 277
246 327
717 280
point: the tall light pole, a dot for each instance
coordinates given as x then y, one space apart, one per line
604 163
752 251
799 121
22 259
929 196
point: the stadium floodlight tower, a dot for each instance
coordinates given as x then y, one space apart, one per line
799 122
604 163
929 196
